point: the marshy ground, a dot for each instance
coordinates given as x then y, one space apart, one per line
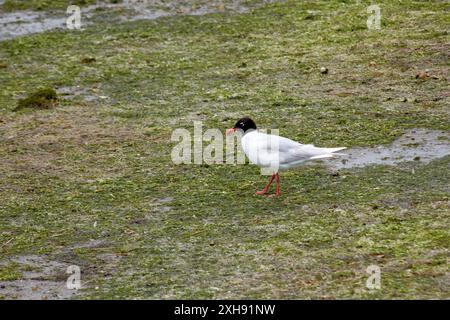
88 180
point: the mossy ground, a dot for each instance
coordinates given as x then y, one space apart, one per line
43 98
101 169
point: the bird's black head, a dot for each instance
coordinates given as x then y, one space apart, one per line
245 124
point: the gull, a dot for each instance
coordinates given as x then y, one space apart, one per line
275 153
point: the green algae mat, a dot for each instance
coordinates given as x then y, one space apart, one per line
87 178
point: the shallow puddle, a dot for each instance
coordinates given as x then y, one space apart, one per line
70 93
44 279
20 23
420 145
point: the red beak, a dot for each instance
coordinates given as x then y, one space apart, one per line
230 131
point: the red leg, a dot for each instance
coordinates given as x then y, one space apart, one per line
277 192
266 188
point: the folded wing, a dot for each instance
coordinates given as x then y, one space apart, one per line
269 150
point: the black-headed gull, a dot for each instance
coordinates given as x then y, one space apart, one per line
275 153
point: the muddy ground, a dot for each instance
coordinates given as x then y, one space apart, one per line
89 181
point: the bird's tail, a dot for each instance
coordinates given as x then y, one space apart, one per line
329 153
